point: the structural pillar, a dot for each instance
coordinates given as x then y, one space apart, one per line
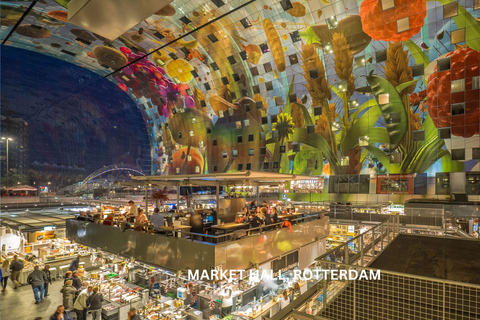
217 199
178 195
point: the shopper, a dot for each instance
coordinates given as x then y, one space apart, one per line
108 221
77 283
253 204
68 292
132 314
68 276
132 214
48 274
75 263
157 219
61 314
255 221
37 280
141 217
274 215
5 273
15 267
95 303
80 306
268 218
284 299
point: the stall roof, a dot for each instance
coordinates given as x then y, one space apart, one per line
22 188
35 220
246 177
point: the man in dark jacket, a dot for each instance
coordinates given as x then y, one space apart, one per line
61 314
49 278
15 267
74 264
37 280
77 283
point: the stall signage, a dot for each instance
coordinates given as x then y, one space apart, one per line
284 197
285 269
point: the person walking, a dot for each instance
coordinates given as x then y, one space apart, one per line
15 267
95 303
5 273
68 292
74 264
37 280
48 274
80 306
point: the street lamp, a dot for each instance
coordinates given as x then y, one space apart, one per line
7 139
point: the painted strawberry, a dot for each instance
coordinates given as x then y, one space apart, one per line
464 64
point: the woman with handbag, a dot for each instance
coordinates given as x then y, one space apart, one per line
95 303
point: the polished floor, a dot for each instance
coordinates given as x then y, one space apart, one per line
20 305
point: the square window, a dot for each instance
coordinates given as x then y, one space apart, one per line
191 133
231 112
218 3
344 161
476 83
263 150
363 141
444 133
220 113
246 23
212 38
214 66
214 142
296 148
418 70
264 48
383 98
269 85
283 149
233 95
458 109
266 166
317 111
450 10
476 5
396 158
293 59
238 124
394 117
250 137
457 85
215 168
243 55
268 67
177 170
225 80
419 135
475 153
249 166
197 169
250 152
458 154
194 73
310 129
336 126
381 56
273 118
352 104
342 86
179 135
313 74
264 120
231 60
295 35
236 77
403 24
276 165
207 86
292 97
224 154
200 144
194 120
239 139
286 4
254 71
259 105
388 4
246 107
278 101
240 167
262 136
246 123
275 135
173 56
332 23
443 64
185 50
327 47
457 36
360 62
256 89
234 153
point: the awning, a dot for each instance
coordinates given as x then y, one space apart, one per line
22 188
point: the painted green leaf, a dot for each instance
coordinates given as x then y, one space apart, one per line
288 106
384 159
417 53
300 164
394 107
404 85
310 36
306 114
365 105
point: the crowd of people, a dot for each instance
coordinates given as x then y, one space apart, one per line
78 297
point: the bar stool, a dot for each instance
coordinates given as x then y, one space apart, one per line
53 273
63 270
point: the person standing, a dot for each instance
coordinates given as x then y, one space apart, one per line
68 292
61 314
95 303
15 267
75 263
5 273
80 306
48 274
267 216
132 214
157 219
284 299
132 314
37 280
76 282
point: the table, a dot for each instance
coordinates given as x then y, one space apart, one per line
286 216
231 226
177 228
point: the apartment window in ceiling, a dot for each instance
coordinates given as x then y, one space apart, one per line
268 67
234 153
387 4
311 129
286 4
332 22
254 71
214 142
443 64
317 111
177 170
476 153
458 154
239 139
476 5
259 105
336 126
179 135
250 152
233 95
313 73
457 36
243 55
293 59
246 107
344 161
200 144
278 101
250 137
418 70
269 85
352 104
363 141
224 154
342 86
476 83
220 113
275 135
246 123
225 80
236 77
396 158
194 120
360 62
246 23
173 56
191 133
231 60
238 124
276 165
256 89
203 104
457 85
458 109
295 36
248 166
189 158
444 133
292 97
207 86
266 166
264 120
209 130
240 167
403 24
296 148
215 168
383 98
394 117
197 169
194 73
262 136
283 149
381 56
418 135
214 66
264 47
212 38
450 10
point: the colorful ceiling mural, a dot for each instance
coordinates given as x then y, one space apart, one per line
312 87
